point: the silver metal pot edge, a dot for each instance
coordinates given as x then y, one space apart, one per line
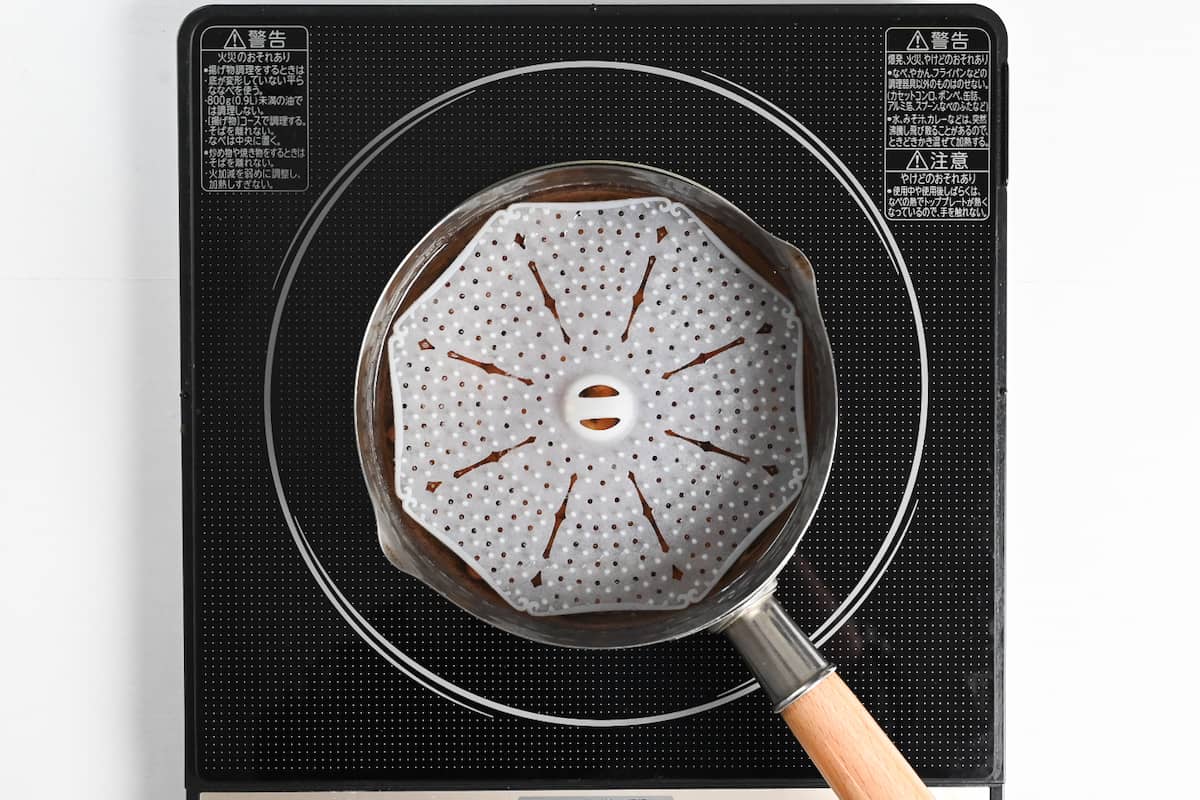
743 609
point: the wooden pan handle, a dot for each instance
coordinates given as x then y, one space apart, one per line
853 754
847 746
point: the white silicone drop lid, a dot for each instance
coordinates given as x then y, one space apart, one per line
596 406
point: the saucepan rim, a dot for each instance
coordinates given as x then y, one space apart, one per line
744 583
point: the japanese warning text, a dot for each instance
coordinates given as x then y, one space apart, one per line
254 109
937 122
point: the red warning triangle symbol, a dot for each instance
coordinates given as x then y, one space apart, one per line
234 42
917 161
917 42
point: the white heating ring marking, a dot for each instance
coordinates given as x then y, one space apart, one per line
405 663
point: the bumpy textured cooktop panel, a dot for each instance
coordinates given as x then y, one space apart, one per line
320 144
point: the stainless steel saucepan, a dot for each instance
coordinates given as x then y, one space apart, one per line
845 743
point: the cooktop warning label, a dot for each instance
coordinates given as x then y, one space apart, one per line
937 123
254 108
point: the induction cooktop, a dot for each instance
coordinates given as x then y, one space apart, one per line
319 144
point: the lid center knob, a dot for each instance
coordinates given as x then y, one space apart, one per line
599 408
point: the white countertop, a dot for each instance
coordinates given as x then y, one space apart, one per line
1103 443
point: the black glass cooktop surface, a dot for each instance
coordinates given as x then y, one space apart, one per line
320 144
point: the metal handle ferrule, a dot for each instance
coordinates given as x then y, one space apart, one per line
781 657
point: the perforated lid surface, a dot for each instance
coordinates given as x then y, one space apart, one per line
596 406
